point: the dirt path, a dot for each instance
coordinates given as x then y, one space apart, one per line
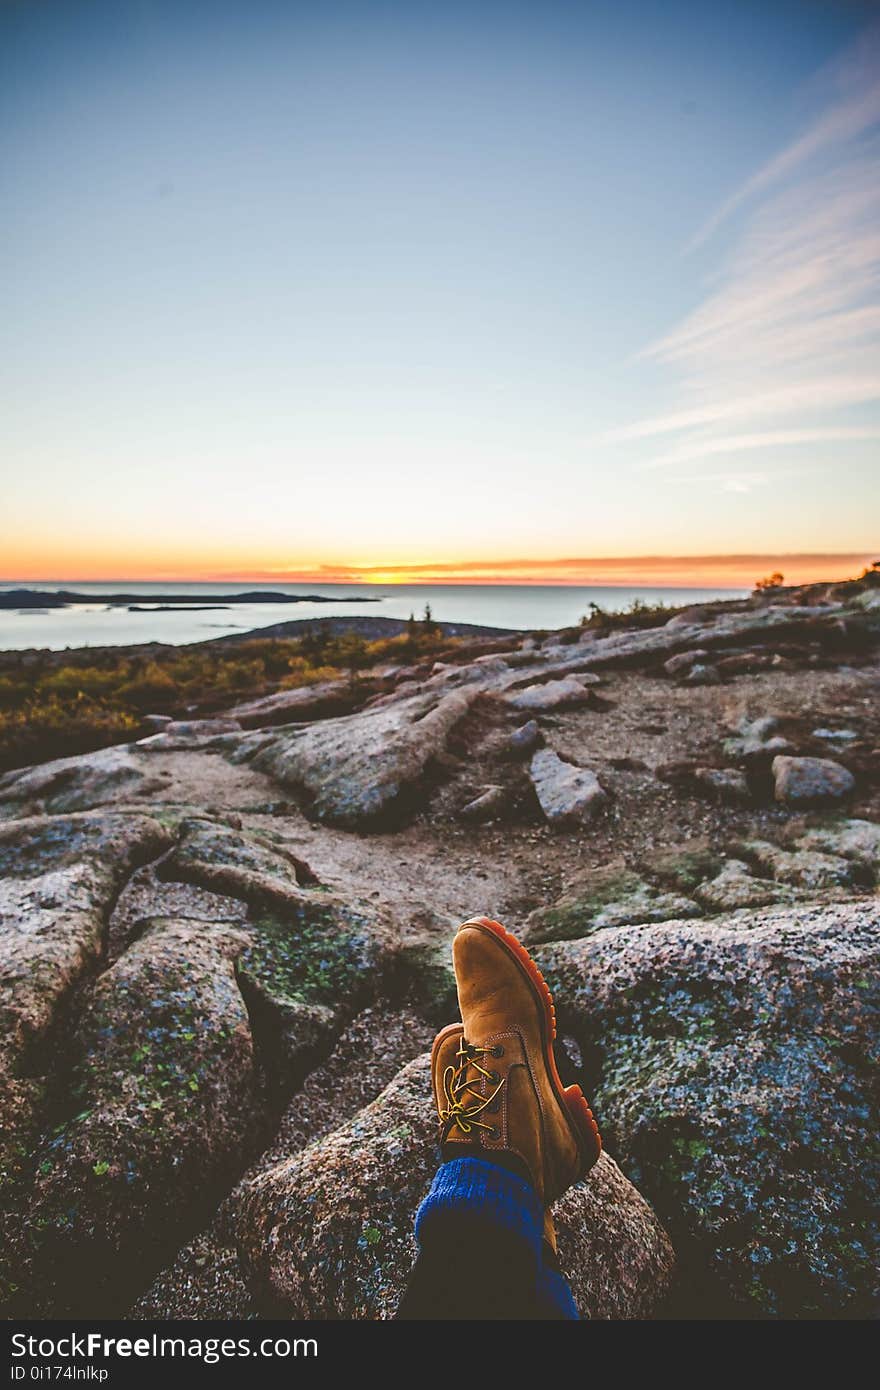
437 870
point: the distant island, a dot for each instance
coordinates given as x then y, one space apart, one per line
65 598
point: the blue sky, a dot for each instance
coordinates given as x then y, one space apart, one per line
287 286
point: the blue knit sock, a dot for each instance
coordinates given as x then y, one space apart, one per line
468 1192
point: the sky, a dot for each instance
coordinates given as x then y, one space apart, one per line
404 290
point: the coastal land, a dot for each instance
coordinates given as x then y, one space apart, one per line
231 874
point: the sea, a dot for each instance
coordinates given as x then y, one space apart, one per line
94 623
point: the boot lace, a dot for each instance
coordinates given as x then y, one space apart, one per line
462 1103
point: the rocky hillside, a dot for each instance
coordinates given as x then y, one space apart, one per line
225 949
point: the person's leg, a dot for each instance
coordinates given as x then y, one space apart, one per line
481 1252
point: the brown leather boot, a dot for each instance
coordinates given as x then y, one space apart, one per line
496 1087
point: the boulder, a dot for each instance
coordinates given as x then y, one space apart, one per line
726 784
162 1112
709 631
328 1233
803 868
76 784
735 886
735 1069
810 781
312 957
552 695
241 864
617 1257
306 970
304 703
360 770
565 792
315 956
758 740
858 840
525 738
682 662
608 897
59 878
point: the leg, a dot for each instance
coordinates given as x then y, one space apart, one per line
481 1249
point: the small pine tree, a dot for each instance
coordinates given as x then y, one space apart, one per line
770 581
353 655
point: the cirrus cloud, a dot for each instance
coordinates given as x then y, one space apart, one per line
785 345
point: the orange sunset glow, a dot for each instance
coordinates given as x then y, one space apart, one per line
713 571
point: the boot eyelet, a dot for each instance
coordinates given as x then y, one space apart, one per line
494 1077
494 1107
498 1050
494 1132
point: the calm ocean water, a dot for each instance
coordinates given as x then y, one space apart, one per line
496 605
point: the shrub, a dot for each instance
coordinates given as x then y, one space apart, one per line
12 692
75 680
152 687
53 728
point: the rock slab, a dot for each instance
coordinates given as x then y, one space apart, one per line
736 1067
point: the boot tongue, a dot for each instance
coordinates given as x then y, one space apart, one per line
492 992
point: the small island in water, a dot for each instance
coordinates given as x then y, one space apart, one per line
66 598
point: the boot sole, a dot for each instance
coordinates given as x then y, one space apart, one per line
571 1098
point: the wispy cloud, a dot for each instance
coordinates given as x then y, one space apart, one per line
765 439
788 338
853 108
